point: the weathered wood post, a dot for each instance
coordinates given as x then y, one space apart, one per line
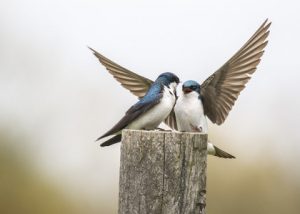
162 172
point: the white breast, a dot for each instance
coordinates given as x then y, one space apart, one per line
189 113
152 118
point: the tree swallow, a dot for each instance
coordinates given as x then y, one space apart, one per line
218 92
190 115
150 110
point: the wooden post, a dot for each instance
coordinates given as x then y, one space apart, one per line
162 172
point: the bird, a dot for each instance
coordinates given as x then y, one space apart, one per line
218 92
149 111
190 115
215 97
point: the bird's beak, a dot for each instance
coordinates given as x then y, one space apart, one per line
186 90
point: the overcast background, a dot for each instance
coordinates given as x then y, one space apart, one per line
56 99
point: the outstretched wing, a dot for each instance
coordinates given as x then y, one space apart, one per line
135 83
220 90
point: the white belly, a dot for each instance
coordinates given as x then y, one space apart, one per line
189 113
152 118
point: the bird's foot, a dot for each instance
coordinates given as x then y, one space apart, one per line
196 129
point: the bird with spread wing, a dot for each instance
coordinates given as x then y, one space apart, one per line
214 98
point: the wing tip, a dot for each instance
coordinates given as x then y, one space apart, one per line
97 54
94 51
222 154
267 22
99 138
266 25
115 139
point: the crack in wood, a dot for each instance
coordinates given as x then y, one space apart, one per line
162 173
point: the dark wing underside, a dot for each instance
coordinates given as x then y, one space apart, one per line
220 90
136 84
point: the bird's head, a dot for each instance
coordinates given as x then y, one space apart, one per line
191 86
168 79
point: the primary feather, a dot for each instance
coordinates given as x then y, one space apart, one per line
220 90
133 82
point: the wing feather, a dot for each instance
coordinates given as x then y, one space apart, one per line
133 82
133 113
220 90
171 120
136 84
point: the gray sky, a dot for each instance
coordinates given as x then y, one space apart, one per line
53 90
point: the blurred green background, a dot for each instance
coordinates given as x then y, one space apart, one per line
56 99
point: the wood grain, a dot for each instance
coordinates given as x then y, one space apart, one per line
162 172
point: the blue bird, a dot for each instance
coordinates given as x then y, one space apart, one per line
150 110
214 98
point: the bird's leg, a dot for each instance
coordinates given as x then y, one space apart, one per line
196 129
200 128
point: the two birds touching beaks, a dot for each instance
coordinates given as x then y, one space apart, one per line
214 98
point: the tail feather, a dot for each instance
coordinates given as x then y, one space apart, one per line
110 141
222 154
